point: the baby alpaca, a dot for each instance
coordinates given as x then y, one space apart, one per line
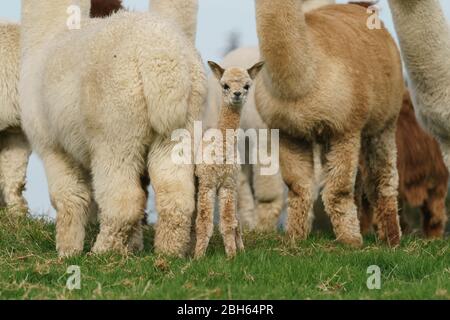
221 178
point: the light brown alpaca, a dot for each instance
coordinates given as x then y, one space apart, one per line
221 178
331 81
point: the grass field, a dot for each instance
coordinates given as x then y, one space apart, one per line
269 269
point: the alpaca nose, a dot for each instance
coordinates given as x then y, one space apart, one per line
237 94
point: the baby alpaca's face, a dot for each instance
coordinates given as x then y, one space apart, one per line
235 82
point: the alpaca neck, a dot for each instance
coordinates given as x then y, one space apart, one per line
285 46
230 117
424 36
42 18
183 13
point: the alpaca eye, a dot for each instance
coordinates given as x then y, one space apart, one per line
247 87
226 87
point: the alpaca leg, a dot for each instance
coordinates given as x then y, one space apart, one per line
269 198
296 161
381 183
70 195
120 197
174 186
365 214
338 193
204 225
246 203
14 154
136 240
435 215
229 223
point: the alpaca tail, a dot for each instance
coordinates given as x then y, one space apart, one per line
166 85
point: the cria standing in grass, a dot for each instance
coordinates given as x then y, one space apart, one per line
221 177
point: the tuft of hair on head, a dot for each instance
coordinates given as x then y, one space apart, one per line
217 70
105 8
254 71
365 4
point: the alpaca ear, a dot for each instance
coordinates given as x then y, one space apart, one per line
253 71
216 69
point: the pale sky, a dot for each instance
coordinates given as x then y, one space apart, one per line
217 19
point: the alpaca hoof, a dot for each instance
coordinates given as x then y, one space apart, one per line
18 211
354 241
200 252
69 252
173 234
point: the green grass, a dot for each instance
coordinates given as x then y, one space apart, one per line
269 269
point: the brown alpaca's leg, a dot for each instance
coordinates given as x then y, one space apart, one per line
365 212
14 154
229 223
338 193
204 224
296 161
381 184
434 215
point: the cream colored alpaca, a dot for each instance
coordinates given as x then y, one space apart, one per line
99 105
424 35
260 209
14 149
222 177
343 97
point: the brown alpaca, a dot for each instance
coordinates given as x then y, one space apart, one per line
423 176
331 81
222 177
104 8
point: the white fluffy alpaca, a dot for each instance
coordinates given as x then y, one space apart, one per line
98 106
262 208
424 36
14 149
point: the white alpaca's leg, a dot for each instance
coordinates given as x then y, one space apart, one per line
269 199
14 154
338 194
70 195
120 197
246 202
204 224
174 187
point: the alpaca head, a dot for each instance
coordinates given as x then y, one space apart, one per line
104 8
235 82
